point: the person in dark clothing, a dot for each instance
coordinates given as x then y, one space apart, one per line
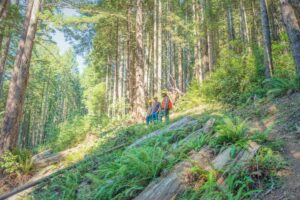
153 111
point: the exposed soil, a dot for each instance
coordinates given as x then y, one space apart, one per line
283 116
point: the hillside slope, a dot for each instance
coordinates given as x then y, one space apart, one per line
98 176
282 116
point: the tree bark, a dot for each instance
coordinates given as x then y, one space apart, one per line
254 28
180 69
268 62
3 7
3 59
15 101
155 44
139 106
244 24
130 66
289 15
197 43
230 23
117 64
159 46
274 21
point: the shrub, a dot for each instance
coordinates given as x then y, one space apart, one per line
9 163
191 99
71 133
236 79
125 177
231 131
281 86
17 161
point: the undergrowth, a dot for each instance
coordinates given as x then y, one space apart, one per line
17 161
124 173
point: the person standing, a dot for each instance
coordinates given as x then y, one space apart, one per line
155 109
149 112
166 106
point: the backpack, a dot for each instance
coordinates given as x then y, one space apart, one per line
170 106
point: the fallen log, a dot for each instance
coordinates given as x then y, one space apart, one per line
170 186
42 155
233 165
206 129
31 184
54 158
50 160
182 123
224 161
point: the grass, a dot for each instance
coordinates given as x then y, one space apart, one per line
280 86
124 173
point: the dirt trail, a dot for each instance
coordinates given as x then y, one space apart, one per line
283 116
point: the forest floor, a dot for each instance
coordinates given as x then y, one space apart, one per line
280 115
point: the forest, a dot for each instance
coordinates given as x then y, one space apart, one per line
150 99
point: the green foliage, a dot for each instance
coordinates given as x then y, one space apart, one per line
129 174
24 158
65 187
236 79
236 187
283 60
95 101
18 161
281 86
268 161
231 131
71 133
9 163
191 99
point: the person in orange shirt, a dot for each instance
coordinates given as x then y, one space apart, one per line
166 106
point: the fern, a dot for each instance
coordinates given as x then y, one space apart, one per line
231 131
280 87
123 178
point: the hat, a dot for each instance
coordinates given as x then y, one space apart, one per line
164 92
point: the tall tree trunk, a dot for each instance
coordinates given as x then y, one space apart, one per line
180 69
3 59
146 71
268 62
3 62
130 63
139 106
230 23
15 100
114 91
210 35
155 44
117 64
107 82
204 38
254 28
45 109
289 15
159 46
244 24
3 7
197 43
121 68
274 20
